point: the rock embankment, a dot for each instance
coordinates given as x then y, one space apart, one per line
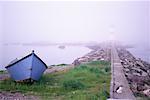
137 72
97 54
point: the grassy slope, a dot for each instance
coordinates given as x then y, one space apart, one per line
85 82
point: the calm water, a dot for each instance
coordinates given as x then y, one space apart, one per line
53 55
49 54
140 52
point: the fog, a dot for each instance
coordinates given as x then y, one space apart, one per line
72 21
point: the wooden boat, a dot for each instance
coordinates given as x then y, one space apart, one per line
30 68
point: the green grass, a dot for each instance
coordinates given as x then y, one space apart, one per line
140 96
85 82
60 65
3 71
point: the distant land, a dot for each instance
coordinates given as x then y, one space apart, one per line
51 43
65 44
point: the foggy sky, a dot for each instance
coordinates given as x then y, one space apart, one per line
74 21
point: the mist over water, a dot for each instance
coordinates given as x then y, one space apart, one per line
51 55
72 22
75 21
144 54
1 55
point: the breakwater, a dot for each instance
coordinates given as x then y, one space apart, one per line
135 69
98 53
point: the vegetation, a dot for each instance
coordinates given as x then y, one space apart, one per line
3 71
61 65
85 82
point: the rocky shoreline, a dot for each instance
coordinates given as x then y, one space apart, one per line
137 72
98 53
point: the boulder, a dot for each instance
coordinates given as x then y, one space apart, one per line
147 92
139 63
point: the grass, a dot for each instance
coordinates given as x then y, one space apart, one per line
85 82
60 65
3 71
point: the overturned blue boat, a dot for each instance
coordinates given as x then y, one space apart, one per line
29 68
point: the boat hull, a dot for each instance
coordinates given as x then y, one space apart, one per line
29 68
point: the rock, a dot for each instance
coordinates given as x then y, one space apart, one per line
119 89
99 54
136 71
102 59
126 69
147 86
138 63
76 62
147 92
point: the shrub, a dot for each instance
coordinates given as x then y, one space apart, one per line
83 66
107 69
62 65
105 93
96 70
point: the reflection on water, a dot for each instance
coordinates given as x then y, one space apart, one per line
49 54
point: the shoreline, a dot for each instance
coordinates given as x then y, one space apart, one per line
105 50
140 53
136 70
93 49
98 53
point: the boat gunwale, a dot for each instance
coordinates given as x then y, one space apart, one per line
25 58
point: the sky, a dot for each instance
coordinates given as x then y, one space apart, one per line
85 21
